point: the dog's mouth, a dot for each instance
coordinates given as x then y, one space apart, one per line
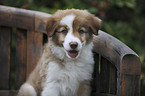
73 53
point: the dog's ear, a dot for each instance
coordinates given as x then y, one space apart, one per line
51 25
95 24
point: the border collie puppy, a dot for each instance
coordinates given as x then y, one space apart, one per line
66 65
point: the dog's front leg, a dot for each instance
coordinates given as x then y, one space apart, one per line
84 89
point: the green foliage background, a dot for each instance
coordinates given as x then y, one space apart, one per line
124 19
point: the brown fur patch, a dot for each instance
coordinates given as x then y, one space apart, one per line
81 24
51 24
59 35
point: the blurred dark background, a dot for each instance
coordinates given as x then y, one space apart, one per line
124 19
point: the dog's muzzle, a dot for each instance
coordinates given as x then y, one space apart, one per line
73 53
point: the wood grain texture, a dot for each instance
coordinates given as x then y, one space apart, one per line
14 17
21 59
131 65
104 76
130 85
8 93
112 79
130 75
22 18
34 50
5 38
102 94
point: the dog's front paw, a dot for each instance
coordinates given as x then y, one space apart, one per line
27 90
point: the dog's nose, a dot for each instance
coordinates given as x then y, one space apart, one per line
73 45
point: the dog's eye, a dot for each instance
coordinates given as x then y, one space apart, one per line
64 31
81 31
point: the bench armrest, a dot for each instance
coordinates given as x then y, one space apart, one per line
126 61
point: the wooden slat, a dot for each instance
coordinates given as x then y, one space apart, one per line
130 85
95 75
13 92
112 79
4 93
8 93
5 37
130 76
104 76
34 49
21 59
131 65
102 94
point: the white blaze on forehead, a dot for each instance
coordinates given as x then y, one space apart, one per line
68 21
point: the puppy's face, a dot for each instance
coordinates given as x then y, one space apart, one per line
72 29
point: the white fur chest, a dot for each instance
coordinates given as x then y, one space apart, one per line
64 80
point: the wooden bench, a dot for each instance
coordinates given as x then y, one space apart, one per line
22 35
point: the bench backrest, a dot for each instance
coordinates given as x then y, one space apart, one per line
22 35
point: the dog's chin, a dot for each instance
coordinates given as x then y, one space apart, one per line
72 54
